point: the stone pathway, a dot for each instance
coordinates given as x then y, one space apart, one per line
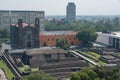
85 58
2 75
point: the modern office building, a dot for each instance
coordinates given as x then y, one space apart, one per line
109 39
11 17
71 11
4 19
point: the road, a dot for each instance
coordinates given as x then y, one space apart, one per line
85 58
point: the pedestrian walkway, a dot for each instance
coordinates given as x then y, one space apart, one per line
85 58
2 75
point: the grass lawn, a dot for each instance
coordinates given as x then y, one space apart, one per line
118 53
94 56
35 69
91 65
8 73
102 63
22 69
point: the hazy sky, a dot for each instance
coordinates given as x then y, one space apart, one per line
58 7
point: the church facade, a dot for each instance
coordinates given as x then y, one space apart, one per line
25 36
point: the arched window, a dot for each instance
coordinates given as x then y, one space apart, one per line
29 37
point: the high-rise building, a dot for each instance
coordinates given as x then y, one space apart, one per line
4 19
11 17
71 11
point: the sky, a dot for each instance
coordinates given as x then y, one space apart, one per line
58 7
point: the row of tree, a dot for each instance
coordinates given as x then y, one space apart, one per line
96 74
62 43
4 36
87 37
4 33
38 76
101 25
86 74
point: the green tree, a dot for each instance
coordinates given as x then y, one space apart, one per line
51 26
74 76
90 73
83 76
4 35
108 74
101 25
87 36
38 76
79 76
62 43
98 73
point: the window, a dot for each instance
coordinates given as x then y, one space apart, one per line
74 38
52 39
47 55
29 44
72 43
44 44
29 37
58 55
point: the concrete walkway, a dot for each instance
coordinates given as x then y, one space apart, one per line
2 75
85 58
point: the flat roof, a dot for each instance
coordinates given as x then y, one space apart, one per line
49 51
58 33
98 45
16 51
109 57
25 11
112 34
38 51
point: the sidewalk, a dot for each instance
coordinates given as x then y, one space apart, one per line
2 75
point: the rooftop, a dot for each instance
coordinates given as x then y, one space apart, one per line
49 51
109 57
58 33
24 24
38 51
112 34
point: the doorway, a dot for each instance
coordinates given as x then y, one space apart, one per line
29 44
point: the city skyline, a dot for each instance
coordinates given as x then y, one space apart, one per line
83 7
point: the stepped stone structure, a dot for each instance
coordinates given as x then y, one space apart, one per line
56 62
